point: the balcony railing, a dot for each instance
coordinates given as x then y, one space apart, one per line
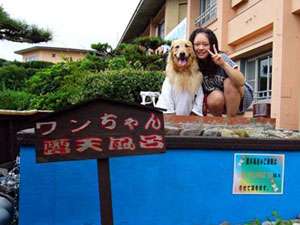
208 15
262 96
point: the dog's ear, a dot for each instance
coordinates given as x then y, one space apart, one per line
173 44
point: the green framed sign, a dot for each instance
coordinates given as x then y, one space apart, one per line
258 173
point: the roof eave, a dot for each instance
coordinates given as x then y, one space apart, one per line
141 18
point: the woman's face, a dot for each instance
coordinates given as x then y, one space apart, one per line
201 45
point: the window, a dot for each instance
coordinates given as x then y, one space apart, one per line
31 58
258 72
182 11
53 55
208 11
161 29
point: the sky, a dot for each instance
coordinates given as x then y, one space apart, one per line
74 24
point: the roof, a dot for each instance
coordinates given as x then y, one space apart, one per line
145 10
35 48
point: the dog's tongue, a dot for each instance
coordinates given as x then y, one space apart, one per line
182 62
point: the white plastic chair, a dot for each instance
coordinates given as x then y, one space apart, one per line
149 97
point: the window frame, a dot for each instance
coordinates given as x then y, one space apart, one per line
208 12
266 94
160 29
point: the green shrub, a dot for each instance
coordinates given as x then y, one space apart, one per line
56 100
93 63
137 58
51 79
275 219
13 77
15 100
102 49
68 92
124 85
131 52
150 42
36 64
118 63
2 62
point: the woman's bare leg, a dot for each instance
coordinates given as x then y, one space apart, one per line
216 102
233 96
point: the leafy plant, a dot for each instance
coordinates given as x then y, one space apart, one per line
135 55
124 85
102 49
51 79
150 42
2 62
93 63
118 63
13 77
274 220
15 100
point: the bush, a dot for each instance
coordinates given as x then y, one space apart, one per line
137 56
2 62
56 100
15 100
51 79
13 77
131 52
118 63
150 42
36 64
101 49
122 85
93 63
68 92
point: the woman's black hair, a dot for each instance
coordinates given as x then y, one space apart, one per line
207 66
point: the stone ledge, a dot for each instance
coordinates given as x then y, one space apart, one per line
223 127
238 120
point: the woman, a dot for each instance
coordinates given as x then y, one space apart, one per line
223 84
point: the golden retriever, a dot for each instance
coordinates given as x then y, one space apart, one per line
182 68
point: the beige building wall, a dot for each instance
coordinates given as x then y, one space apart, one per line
193 9
175 12
52 56
249 27
172 13
286 51
296 6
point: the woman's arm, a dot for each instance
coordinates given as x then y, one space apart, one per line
234 74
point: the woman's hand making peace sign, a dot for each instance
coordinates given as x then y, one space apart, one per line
216 57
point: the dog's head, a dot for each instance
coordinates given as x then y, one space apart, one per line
182 54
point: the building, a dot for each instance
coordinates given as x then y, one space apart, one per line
51 54
155 18
262 36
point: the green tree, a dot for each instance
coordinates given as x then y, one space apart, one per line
18 31
102 50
